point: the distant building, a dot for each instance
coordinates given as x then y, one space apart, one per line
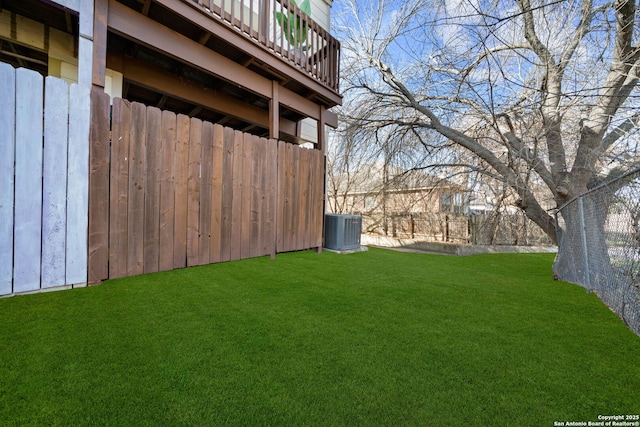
396 191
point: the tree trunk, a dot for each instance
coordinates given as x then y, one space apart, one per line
583 256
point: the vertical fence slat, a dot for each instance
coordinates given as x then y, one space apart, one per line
119 189
99 152
152 191
281 195
227 195
303 215
318 206
245 216
271 202
7 156
137 174
289 189
258 219
182 174
206 176
216 193
294 210
236 209
54 197
167 191
193 190
315 209
78 185
309 237
28 180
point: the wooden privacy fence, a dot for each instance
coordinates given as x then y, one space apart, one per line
168 191
43 182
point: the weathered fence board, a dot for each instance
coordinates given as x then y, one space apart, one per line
54 197
236 203
206 176
7 156
137 171
270 195
257 191
28 181
319 176
281 200
182 174
245 191
227 195
152 191
193 190
119 197
167 191
78 185
303 179
216 193
99 153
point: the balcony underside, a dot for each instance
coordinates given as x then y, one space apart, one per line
175 56
195 65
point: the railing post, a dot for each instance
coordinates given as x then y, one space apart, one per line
583 238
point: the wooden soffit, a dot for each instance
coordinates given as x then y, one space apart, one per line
135 26
145 75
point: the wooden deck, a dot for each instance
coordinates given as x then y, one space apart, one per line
317 54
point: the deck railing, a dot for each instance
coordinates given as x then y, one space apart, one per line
317 53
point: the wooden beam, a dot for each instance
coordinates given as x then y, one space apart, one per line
204 38
100 42
67 18
19 58
162 101
146 7
132 25
304 106
143 74
274 112
320 145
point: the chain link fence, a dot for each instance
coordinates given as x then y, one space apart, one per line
599 245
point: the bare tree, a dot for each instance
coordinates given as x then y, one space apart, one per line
543 93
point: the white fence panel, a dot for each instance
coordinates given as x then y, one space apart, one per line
28 185
54 197
44 164
78 186
7 156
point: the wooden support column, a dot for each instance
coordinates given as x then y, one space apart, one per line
274 111
321 128
101 13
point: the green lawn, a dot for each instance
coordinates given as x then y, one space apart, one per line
377 338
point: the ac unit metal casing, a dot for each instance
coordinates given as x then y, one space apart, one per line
342 232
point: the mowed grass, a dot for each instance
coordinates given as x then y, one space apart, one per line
377 338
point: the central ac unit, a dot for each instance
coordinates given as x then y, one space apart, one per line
342 232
